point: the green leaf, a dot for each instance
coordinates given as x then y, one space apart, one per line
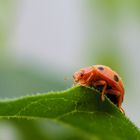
78 112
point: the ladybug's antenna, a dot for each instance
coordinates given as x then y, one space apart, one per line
68 78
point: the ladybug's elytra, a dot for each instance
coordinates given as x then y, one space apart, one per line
103 78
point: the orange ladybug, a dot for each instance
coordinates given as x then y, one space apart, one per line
104 79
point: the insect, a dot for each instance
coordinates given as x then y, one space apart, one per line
104 79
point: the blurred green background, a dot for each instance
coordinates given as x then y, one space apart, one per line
44 42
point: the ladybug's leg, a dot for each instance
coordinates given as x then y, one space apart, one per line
90 77
101 83
88 80
122 110
119 97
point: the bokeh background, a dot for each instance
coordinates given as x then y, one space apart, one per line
44 42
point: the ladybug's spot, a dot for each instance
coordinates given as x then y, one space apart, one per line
81 74
116 78
100 68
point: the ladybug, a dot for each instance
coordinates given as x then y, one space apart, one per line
105 80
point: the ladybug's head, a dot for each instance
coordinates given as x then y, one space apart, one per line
82 75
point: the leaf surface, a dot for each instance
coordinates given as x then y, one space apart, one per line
79 109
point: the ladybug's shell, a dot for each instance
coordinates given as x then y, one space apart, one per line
109 75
